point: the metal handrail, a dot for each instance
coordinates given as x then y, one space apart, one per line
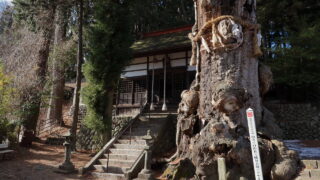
108 161
133 167
140 158
89 165
107 146
142 108
130 134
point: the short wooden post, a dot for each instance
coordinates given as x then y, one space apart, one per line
222 171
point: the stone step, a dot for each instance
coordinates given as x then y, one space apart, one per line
311 164
111 169
144 176
138 133
156 117
121 157
153 116
133 152
108 176
132 137
147 124
145 129
133 141
117 162
136 130
309 174
129 146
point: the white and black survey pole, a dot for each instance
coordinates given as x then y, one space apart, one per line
254 145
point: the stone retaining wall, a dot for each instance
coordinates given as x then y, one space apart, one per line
298 121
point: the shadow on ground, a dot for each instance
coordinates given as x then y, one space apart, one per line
39 162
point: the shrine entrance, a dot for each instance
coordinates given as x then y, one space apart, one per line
176 82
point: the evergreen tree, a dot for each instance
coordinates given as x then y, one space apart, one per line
6 18
76 100
109 44
155 15
290 32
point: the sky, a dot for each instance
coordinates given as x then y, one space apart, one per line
3 4
5 1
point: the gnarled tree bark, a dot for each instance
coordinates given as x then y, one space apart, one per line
228 82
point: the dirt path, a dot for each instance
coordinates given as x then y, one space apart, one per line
39 162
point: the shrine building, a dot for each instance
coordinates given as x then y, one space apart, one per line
158 72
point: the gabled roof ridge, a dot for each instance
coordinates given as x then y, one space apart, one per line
168 31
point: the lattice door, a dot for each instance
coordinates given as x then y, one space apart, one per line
125 89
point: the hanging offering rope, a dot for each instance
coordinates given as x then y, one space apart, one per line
217 43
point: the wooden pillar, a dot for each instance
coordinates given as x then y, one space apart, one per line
172 82
147 82
132 92
164 106
118 96
152 86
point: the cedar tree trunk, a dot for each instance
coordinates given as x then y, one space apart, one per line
108 116
54 113
75 117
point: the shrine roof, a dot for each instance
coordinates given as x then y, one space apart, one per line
163 41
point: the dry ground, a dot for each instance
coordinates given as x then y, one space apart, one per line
39 162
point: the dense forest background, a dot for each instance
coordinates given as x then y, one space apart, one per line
34 55
290 41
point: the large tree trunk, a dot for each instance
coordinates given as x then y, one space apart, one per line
32 100
212 120
54 113
76 100
108 116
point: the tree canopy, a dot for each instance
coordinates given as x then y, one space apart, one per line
153 15
290 32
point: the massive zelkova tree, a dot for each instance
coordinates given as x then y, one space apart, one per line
212 114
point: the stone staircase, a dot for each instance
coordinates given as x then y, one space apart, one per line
128 147
311 170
